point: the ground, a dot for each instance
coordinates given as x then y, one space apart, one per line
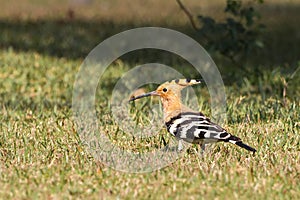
42 45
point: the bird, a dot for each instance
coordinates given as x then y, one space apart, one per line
186 124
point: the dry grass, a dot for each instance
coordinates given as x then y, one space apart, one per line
41 156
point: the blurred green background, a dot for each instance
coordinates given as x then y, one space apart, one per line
42 45
72 28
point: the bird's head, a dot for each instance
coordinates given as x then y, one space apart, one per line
169 91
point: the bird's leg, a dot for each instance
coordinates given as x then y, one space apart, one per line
180 145
203 145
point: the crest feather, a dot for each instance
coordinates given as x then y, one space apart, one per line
185 82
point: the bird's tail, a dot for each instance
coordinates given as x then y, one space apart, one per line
237 141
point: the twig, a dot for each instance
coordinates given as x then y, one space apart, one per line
189 15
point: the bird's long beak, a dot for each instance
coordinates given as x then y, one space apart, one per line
153 93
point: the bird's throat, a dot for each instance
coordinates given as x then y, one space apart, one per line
171 108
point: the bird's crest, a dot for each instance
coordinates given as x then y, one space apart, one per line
182 82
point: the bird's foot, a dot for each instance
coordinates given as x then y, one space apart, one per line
180 146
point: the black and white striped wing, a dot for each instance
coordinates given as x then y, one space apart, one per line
195 127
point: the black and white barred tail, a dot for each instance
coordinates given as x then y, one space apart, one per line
194 127
239 142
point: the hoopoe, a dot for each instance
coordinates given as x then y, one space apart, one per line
186 124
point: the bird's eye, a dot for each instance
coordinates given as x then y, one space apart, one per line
165 90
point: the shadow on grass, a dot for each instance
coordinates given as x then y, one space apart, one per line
76 38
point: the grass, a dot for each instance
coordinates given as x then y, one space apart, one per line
41 155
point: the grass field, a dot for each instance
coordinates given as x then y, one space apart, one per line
42 46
